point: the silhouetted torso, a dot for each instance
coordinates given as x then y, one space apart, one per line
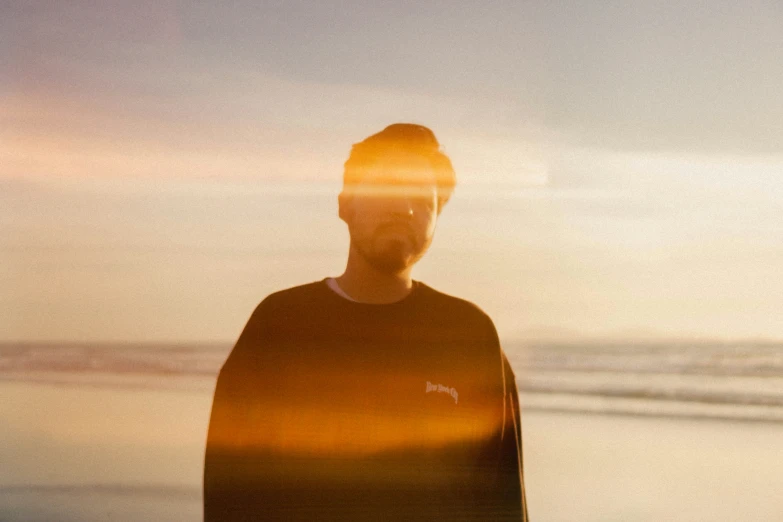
328 409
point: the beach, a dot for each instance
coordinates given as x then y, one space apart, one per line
122 450
603 468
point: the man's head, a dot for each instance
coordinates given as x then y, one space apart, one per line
395 184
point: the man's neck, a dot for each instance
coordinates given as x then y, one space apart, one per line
366 284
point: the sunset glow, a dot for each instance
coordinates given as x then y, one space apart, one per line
172 158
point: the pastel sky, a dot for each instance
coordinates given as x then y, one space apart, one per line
165 165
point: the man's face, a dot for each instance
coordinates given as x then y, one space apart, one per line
391 213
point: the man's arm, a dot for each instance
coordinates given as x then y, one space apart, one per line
511 474
227 467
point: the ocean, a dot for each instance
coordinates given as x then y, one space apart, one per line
731 380
724 380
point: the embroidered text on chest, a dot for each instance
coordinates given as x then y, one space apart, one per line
442 389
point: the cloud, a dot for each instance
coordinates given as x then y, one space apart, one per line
151 115
681 78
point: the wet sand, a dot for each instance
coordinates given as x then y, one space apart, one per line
72 452
628 469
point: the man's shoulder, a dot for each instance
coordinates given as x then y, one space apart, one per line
296 292
457 307
293 296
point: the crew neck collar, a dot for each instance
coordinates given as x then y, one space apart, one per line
347 299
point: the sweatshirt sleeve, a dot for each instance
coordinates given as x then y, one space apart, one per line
227 463
512 486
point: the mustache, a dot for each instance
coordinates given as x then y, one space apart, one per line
395 224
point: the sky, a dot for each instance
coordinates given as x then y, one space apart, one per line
165 165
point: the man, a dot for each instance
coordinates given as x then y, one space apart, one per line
370 396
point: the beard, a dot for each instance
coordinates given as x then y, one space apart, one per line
391 255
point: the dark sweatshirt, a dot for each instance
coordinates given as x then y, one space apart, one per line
328 409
